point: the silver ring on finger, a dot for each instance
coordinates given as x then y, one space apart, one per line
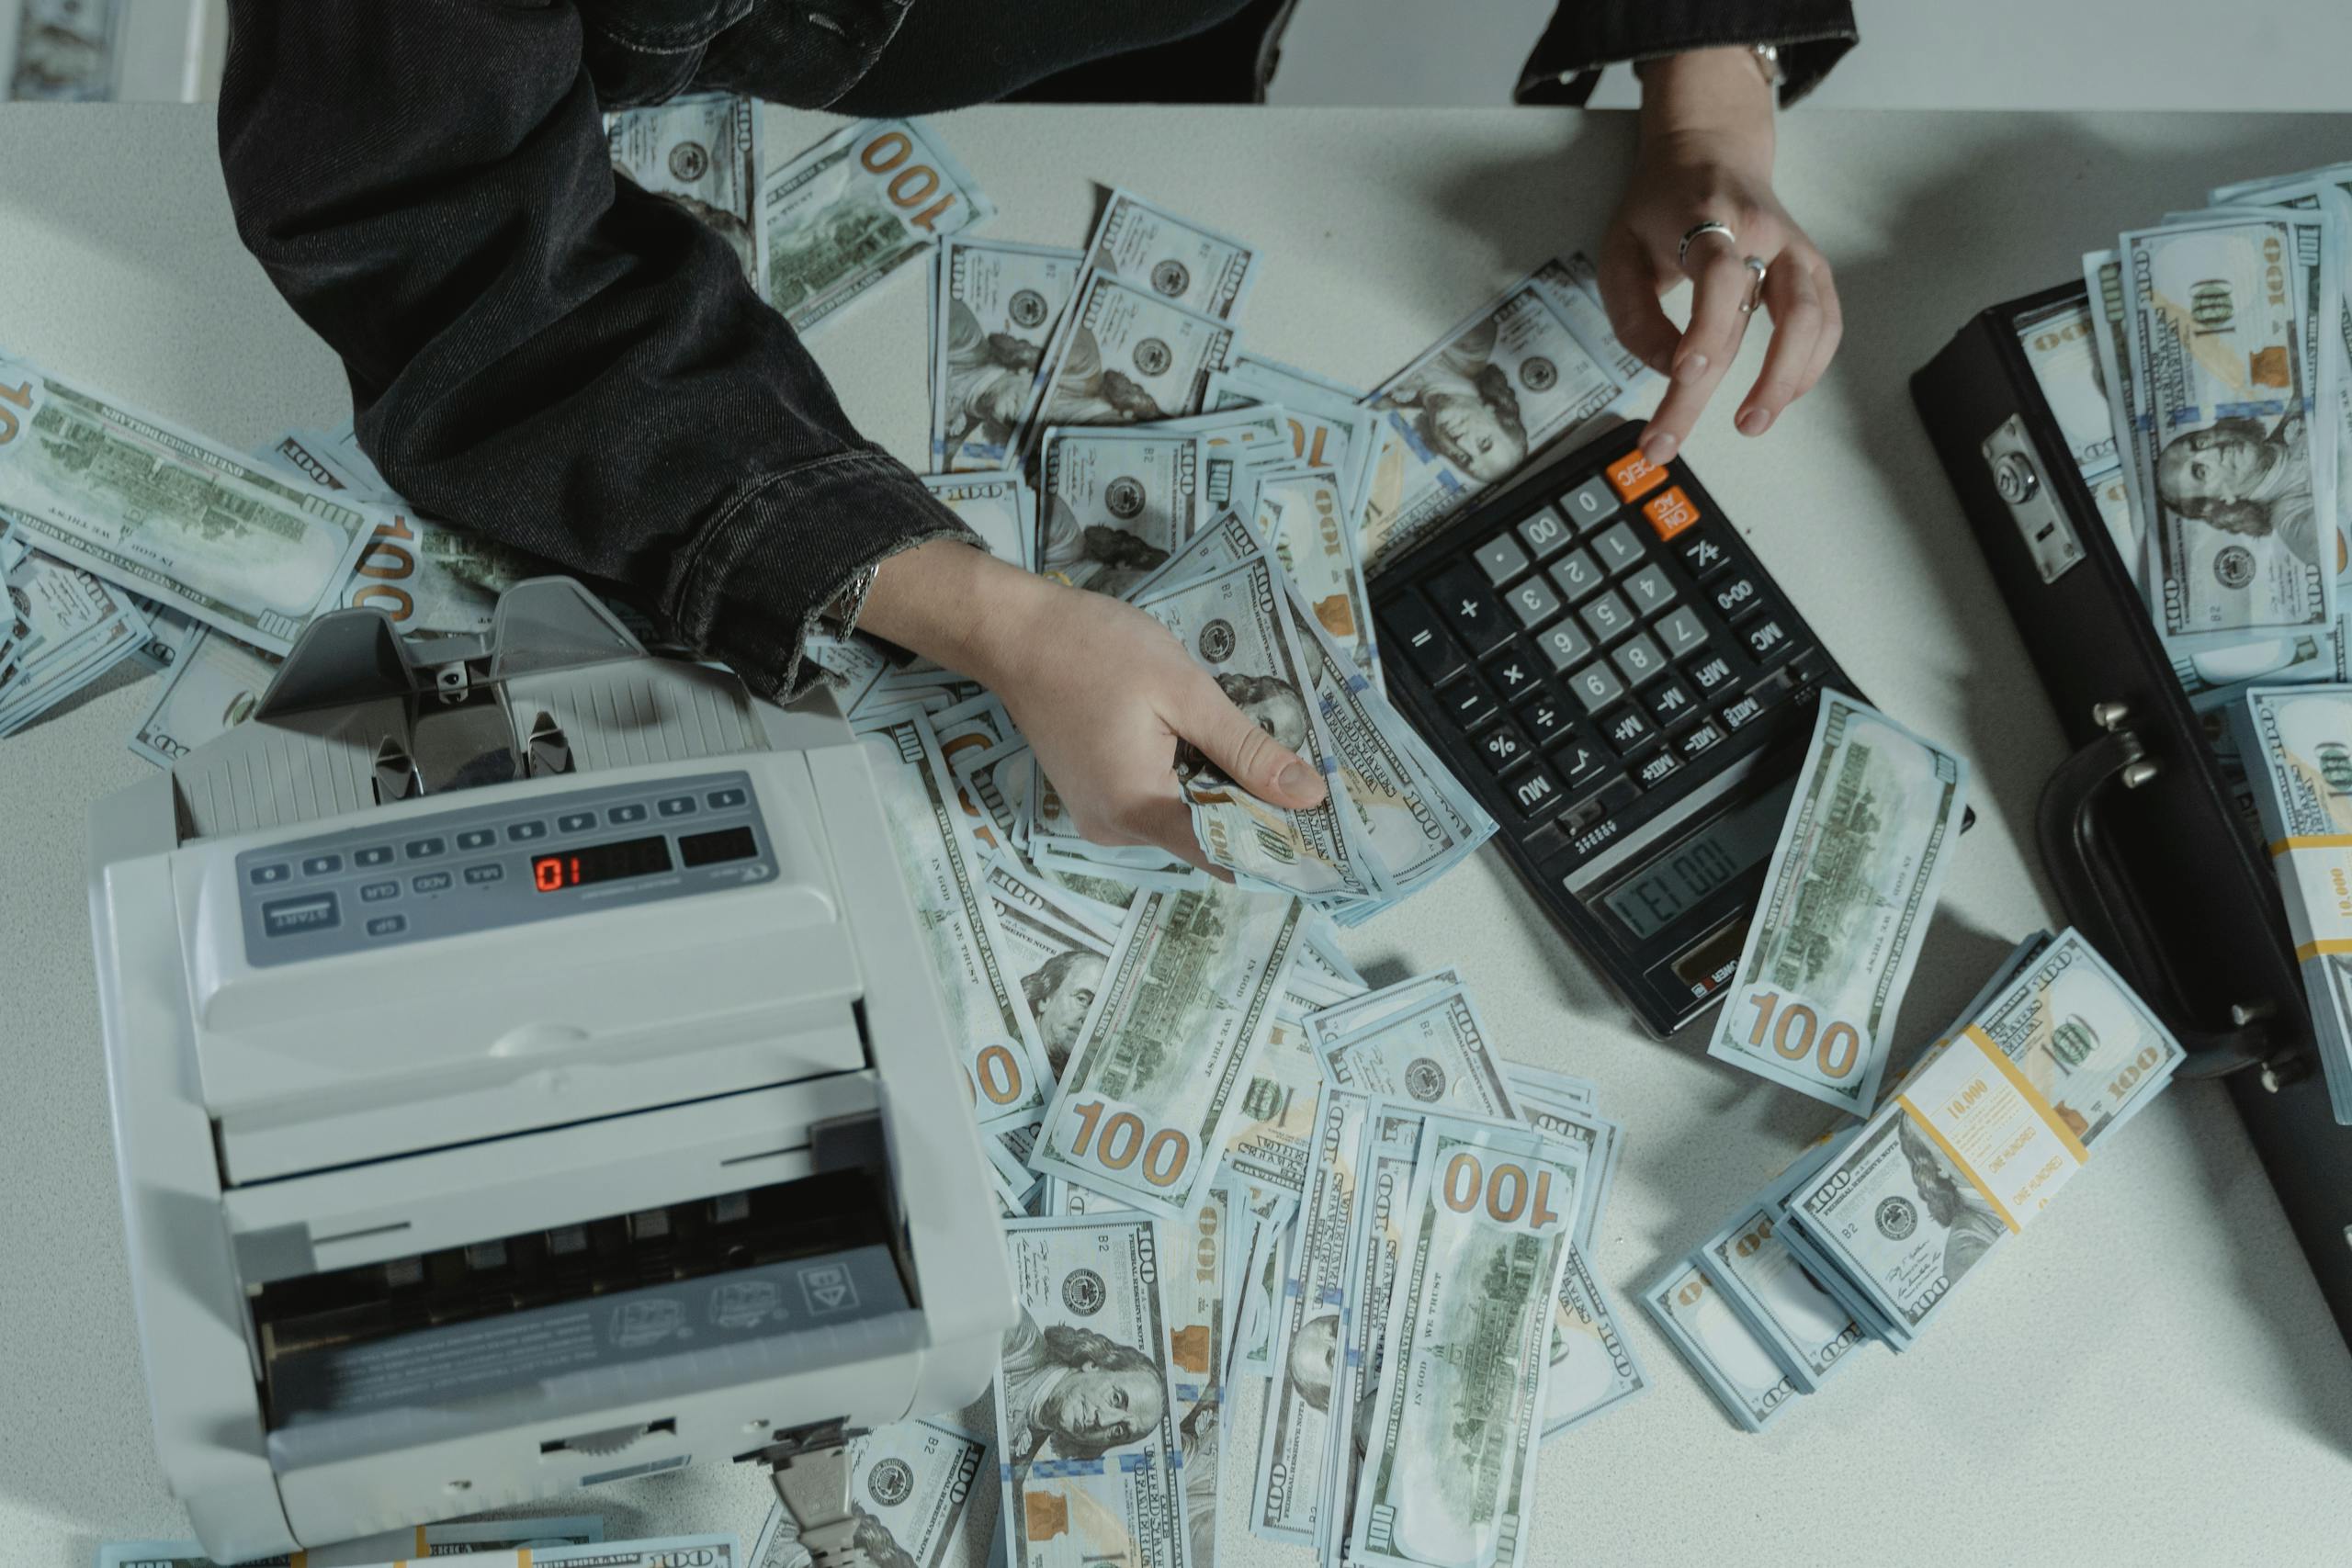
1756 288
1689 235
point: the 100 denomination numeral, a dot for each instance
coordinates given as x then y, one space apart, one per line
1166 1154
1798 1035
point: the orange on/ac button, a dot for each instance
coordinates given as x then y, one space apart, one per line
1633 475
1670 513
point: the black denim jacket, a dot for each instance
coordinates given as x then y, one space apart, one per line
539 350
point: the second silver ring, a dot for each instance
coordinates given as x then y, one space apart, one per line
1689 235
1755 290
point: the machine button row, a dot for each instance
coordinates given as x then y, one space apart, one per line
277 872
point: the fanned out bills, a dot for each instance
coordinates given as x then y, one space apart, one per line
1845 909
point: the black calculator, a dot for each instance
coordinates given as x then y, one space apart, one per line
1606 666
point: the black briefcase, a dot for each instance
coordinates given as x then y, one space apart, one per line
2148 852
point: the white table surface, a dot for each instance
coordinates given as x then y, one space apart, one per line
2150 1375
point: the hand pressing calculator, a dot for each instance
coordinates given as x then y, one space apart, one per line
1606 666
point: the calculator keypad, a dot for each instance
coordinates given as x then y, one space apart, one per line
1598 651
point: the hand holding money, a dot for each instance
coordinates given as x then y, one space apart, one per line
1101 691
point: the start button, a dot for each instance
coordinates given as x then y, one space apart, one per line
291 916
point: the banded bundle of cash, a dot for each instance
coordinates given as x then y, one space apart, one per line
2205 394
2297 744
1397 1197
1845 909
1866 1236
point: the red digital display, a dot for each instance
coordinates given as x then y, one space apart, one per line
600 863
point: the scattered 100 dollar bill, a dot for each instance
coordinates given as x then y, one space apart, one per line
1845 907
837 219
1450 1466
145 503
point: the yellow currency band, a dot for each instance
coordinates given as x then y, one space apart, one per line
2318 946
2034 1102
2311 842
1957 1163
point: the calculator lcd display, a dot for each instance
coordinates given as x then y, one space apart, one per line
1670 882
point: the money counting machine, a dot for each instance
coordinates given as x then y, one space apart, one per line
527 1073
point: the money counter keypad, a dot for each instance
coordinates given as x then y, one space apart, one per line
1592 651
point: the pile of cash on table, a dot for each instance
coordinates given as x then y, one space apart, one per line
1222 1154
2206 394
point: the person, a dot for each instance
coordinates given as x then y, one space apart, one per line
541 351
1074 1393
1971 1227
2244 479
1060 992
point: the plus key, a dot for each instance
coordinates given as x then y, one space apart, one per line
1471 609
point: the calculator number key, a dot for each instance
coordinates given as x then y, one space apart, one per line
1596 686
1545 534
1577 574
1619 547
1639 661
1607 616
1533 602
1683 632
1650 590
1566 645
1590 504
1737 595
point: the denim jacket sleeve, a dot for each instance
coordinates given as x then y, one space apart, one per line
1586 35
536 348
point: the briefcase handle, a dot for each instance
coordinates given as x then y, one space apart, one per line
2097 895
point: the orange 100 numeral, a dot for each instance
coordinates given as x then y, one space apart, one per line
1000 1075
911 185
1840 1045
1506 1189
20 396
1165 1154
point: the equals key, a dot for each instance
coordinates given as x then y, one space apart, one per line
1410 624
